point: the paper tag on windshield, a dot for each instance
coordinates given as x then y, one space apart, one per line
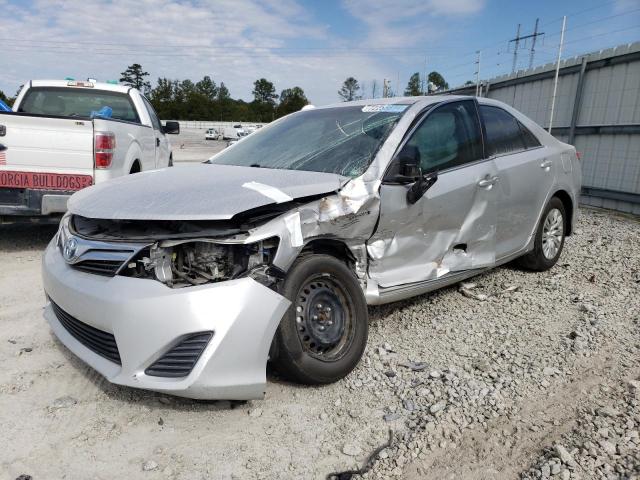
385 108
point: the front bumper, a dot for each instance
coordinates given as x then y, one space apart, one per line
146 318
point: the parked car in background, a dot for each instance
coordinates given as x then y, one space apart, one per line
212 134
234 132
188 281
65 135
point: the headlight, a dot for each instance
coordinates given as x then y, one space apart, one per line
201 261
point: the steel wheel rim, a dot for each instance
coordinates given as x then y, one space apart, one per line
552 233
324 316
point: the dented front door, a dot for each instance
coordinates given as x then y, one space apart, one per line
452 227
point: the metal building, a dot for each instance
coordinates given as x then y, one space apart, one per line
597 109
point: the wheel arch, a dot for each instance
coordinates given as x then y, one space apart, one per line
567 202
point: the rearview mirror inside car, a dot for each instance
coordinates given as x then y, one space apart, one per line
172 128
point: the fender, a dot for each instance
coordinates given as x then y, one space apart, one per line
133 153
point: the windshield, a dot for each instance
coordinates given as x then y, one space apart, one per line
76 102
340 140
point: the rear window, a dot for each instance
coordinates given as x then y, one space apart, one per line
76 102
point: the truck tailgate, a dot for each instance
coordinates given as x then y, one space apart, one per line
46 145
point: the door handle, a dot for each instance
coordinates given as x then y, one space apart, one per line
546 164
487 182
157 142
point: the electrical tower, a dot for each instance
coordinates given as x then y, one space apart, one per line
516 41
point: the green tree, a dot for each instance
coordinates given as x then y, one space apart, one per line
291 100
5 99
134 76
208 88
413 87
162 99
438 81
264 91
349 89
469 82
223 92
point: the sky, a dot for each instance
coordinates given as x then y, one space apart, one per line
311 44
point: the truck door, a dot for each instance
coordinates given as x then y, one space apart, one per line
161 141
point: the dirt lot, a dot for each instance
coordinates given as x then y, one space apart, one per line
525 375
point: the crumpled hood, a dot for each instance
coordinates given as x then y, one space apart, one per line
202 192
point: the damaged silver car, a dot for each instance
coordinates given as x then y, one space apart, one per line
187 281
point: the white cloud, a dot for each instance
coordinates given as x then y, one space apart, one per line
235 41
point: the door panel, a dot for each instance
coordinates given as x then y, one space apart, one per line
525 181
451 228
526 172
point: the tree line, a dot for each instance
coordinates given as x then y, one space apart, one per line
206 100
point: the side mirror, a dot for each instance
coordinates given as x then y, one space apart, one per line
420 187
172 128
406 166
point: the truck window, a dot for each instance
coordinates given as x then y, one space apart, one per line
152 114
76 102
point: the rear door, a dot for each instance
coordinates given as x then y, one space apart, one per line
161 141
56 145
526 173
452 227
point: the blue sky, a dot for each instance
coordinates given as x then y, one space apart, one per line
311 44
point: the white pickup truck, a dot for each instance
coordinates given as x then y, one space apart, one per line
64 135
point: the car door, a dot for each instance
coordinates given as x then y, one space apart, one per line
452 226
526 173
161 141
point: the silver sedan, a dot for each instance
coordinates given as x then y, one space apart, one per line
188 281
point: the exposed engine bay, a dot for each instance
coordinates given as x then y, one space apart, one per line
198 262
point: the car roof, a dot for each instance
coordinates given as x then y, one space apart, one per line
96 85
422 99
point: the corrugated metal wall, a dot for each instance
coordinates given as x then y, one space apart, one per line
605 126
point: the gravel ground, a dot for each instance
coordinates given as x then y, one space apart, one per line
518 375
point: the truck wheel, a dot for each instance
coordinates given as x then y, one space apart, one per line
135 168
323 334
549 238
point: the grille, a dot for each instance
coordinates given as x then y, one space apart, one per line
100 342
180 360
99 267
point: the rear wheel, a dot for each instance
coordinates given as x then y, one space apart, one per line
549 239
323 334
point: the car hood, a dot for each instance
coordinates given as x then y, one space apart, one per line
202 192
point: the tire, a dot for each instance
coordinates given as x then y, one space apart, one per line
545 254
322 336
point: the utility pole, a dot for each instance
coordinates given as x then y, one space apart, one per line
515 50
517 41
479 53
555 81
533 43
425 82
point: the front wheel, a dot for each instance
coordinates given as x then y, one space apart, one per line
323 334
549 239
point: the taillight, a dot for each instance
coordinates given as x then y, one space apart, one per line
104 146
578 155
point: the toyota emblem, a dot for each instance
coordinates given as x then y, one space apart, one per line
69 250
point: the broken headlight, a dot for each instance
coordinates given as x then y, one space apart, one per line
197 262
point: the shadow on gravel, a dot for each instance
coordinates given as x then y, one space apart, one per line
25 236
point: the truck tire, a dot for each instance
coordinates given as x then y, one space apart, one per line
322 336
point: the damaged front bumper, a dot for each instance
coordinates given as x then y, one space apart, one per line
148 320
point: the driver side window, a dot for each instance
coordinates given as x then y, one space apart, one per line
449 136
